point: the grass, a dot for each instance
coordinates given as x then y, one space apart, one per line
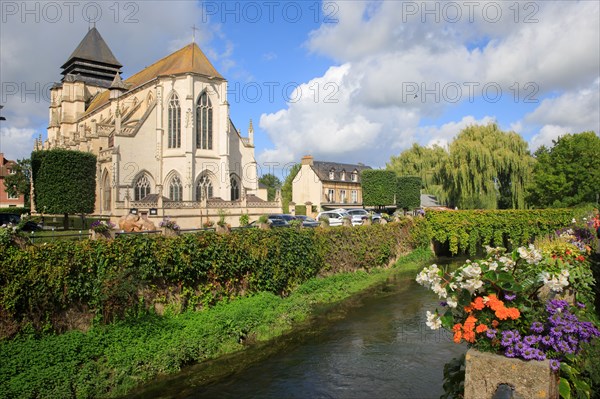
111 360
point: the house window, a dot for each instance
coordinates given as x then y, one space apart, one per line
13 195
174 123
330 195
332 174
354 176
204 188
343 196
343 175
354 196
176 189
204 123
235 189
12 171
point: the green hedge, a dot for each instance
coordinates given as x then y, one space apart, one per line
408 192
111 278
469 230
17 209
378 187
300 209
64 181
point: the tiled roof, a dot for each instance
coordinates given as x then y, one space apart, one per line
322 170
188 59
93 48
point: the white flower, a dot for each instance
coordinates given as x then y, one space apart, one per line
441 292
493 266
433 321
555 283
471 271
452 302
472 285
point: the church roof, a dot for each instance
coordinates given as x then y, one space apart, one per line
189 59
93 48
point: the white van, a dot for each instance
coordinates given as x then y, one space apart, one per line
335 217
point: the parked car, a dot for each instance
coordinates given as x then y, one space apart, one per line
335 217
14 220
286 217
307 221
358 215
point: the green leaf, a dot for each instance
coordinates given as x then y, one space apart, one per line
564 389
569 370
582 388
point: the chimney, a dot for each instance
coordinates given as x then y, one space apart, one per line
307 160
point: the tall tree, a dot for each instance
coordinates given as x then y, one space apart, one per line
286 188
424 162
486 169
64 182
19 183
568 173
272 183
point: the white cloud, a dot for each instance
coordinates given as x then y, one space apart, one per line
16 143
546 135
395 71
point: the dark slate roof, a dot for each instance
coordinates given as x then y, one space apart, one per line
92 62
322 170
94 48
429 201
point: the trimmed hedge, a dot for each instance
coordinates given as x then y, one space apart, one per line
17 210
64 181
408 192
471 229
108 279
378 187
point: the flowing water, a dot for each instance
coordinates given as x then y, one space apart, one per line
375 346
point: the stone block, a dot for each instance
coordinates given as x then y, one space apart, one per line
485 372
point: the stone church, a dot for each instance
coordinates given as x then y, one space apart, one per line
165 143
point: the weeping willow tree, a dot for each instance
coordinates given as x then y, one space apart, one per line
486 169
424 162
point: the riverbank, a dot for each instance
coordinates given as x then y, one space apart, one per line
111 360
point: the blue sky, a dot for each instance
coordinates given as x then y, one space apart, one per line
371 77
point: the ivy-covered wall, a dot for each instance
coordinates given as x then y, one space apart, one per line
43 285
465 231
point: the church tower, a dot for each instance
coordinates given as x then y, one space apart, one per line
90 69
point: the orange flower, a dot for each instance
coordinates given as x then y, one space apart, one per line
457 327
457 337
478 303
513 313
494 303
481 328
495 323
469 324
469 336
468 309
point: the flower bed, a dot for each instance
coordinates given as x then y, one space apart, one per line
532 303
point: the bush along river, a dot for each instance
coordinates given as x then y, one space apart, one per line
375 345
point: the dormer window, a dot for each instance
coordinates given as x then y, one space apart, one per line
354 176
343 175
332 174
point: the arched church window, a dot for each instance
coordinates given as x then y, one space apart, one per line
106 192
235 189
176 189
141 188
204 123
204 187
174 123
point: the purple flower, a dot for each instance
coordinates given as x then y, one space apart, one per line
537 327
580 305
547 340
520 347
528 353
491 333
554 365
531 339
556 306
443 303
510 297
540 355
510 352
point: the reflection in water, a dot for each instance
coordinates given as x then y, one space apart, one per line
380 348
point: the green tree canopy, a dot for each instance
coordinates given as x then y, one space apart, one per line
272 183
486 169
568 173
424 162
18 183
286 188
64 181
378 187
